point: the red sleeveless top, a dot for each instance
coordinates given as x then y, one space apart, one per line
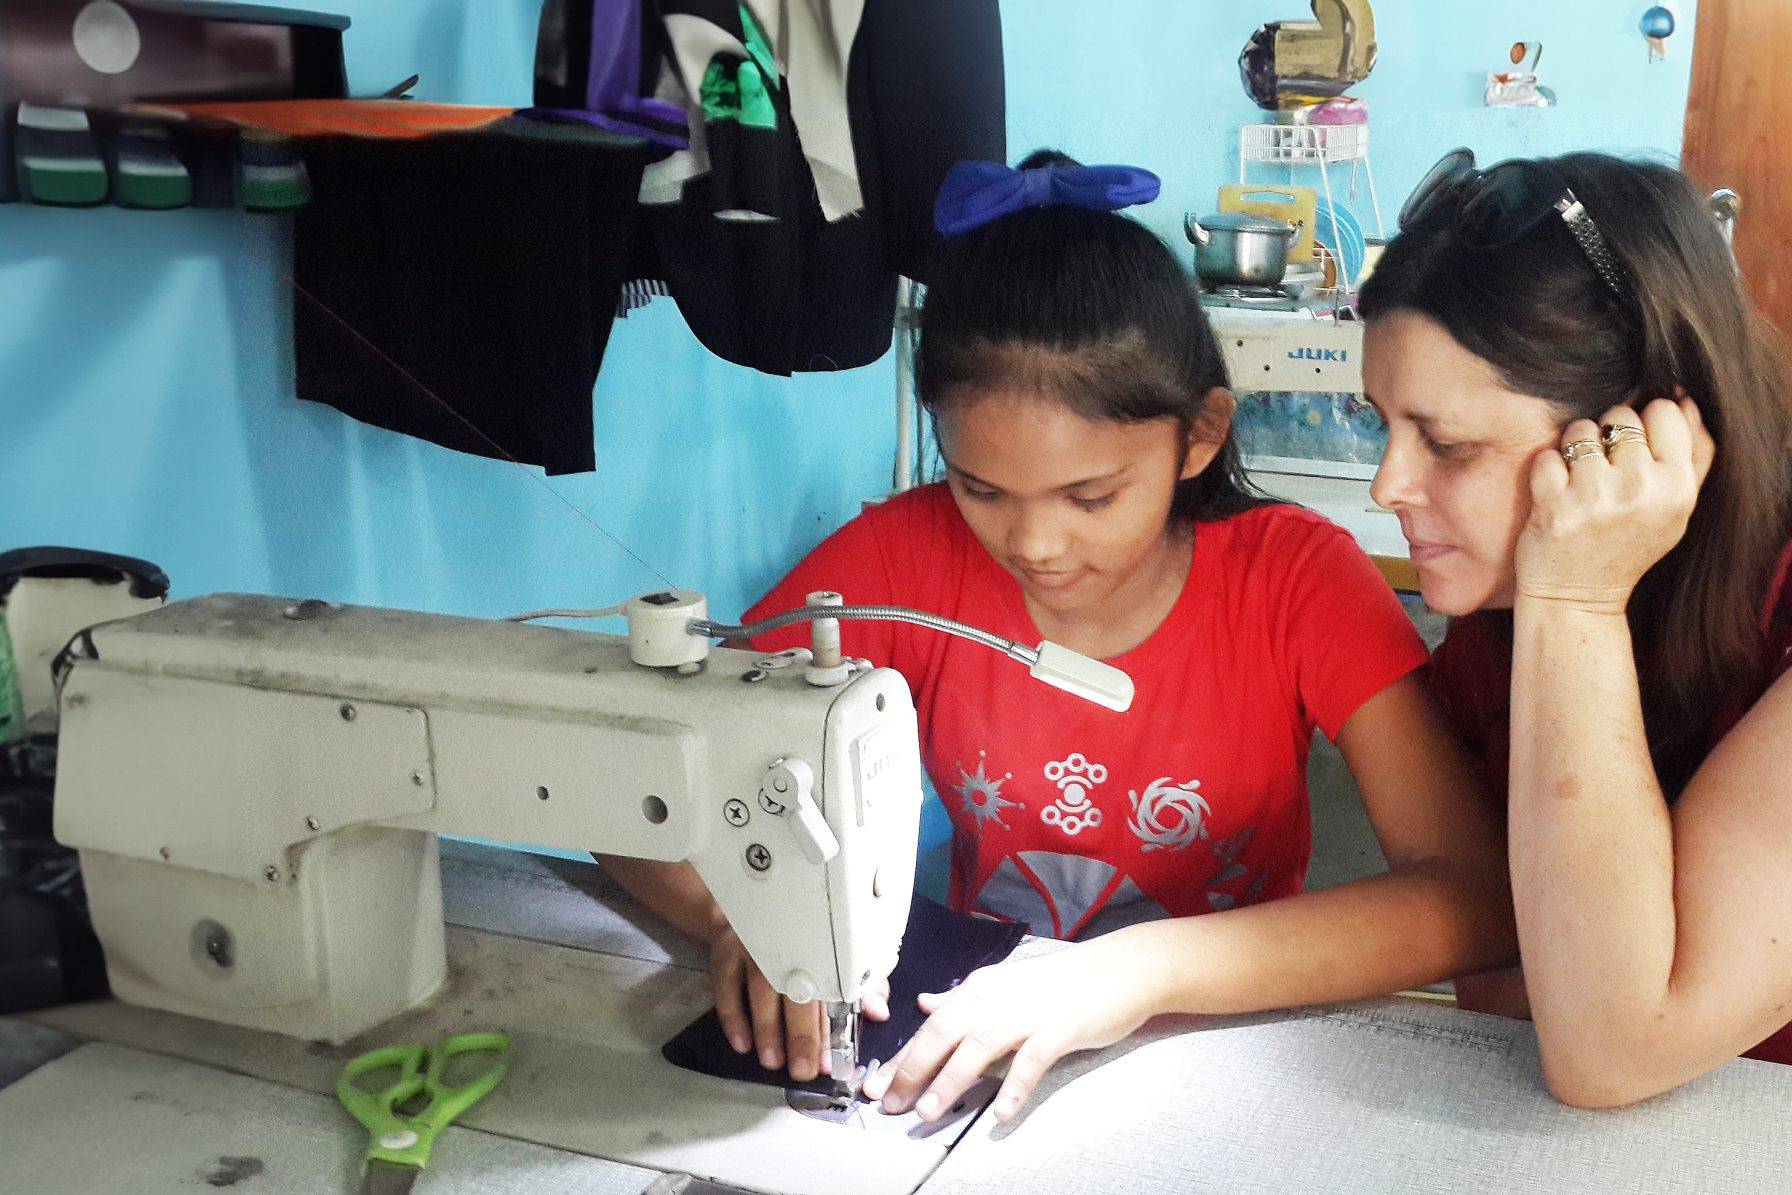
1472 673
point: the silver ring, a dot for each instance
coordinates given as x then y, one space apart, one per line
1614 434
1574 450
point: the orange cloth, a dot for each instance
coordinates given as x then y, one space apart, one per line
393 119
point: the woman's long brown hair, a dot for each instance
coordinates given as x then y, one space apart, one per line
1539 314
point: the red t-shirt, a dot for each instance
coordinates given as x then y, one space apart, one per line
1472 673
1076 820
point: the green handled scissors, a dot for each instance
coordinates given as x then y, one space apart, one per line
404 1117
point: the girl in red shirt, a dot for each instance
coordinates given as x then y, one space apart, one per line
1589 439
1094 497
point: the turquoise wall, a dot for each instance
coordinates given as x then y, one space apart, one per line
145 369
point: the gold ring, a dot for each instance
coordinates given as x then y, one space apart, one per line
1614 434
1574 450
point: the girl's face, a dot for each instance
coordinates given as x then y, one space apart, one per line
1074 508
1458 462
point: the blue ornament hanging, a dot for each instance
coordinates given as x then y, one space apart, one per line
1657 26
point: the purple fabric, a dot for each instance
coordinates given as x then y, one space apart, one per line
615 71
613 82
975 193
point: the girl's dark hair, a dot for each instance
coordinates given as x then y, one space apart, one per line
1538 313
1090 308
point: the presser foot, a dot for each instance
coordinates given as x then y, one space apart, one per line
865 1114
839 1102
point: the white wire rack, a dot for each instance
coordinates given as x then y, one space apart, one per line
1302 144
1320 145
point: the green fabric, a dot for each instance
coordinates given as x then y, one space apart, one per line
270 189
740 89
63 183
149 173
12 705
153 190
270 175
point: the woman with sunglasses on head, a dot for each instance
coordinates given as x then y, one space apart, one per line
1590 452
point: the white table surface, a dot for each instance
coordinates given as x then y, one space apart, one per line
1383 1095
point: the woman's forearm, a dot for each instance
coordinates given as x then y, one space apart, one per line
1421 923
1591 841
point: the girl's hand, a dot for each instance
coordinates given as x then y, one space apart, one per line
755 1016
1041 1009
1598 525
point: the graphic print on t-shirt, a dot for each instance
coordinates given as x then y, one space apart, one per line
1168 816
1070 897
1076 776
982 796
1226 852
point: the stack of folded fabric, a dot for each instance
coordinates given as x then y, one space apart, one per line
146 157
58 158
214 155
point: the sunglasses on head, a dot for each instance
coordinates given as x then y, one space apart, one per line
1500 205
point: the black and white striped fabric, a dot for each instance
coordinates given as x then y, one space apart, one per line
638 294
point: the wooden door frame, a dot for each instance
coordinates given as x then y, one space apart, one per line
1739 134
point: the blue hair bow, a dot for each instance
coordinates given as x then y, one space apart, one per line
975 193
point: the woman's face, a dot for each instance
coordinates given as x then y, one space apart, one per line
1458 462
1074 509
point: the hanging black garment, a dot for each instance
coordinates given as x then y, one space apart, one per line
789 295
760 275
460 287
928 92
762 278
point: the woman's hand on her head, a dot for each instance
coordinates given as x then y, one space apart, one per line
1039 1009
1597 525
755 1016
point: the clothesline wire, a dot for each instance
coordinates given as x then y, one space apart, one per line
471 426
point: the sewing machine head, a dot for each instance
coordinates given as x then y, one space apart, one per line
255 786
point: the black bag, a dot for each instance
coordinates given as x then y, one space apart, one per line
48 952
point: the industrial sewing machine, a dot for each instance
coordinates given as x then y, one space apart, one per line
255 786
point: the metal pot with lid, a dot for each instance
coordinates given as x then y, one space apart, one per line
1236 249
